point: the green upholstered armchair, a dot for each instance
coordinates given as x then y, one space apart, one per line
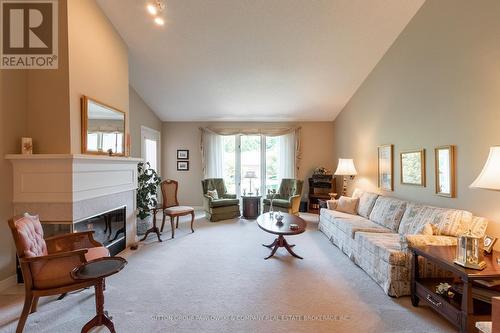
288 197
224 208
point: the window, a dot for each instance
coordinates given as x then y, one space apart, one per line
150 147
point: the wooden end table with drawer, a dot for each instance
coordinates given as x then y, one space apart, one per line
463 310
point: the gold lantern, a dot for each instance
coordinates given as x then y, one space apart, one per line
470 251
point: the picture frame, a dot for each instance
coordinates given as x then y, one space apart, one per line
385 167
488 243
445 171
413 167
182 165
182 154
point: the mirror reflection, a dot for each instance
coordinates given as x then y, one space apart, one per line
105 129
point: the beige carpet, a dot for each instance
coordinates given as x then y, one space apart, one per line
216 280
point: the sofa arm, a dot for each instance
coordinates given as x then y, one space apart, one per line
294 203
424 240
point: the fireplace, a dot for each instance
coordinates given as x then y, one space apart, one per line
109 228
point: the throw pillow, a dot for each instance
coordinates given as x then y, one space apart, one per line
213 194
347 205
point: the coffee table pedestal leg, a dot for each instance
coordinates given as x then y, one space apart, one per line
281 242
101 317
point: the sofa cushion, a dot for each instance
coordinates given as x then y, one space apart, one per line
224 202
366 202
347 205
478 226
350 224
388 212
382 246
278 203
448 222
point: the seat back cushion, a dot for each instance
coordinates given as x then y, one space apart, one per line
446 222
366 202
388 212
478 226
28 236
347 205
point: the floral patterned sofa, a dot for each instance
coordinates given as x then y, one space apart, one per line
377 237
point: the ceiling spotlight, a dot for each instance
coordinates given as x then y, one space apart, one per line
159 21
152 9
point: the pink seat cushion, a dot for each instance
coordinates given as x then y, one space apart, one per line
96 253
178 210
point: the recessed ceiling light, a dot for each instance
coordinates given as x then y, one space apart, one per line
159 21
152 9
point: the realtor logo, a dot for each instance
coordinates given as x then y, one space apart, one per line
29 34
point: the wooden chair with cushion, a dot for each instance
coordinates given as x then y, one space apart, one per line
46 264
171 206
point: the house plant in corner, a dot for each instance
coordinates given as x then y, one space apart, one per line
147 190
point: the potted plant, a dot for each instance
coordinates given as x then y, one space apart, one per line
147 190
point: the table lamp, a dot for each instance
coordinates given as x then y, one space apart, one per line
250 175
345 168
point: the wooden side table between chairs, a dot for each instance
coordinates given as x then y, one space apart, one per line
97 270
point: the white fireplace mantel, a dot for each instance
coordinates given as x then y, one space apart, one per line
70 178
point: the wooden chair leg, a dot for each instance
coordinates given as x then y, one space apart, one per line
34 305
162 223
192 220
177 223
28 301
172 225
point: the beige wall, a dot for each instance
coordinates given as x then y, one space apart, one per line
13 105
48 99
98 63
317 150
438 84
140 115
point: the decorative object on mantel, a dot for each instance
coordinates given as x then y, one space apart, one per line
345 168
413 167
385 167
27 146
182 154
470 251
147 190
488 243
182 165
445 171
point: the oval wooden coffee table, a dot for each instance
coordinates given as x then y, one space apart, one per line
268 224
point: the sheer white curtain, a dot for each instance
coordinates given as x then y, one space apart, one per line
287 156
212 148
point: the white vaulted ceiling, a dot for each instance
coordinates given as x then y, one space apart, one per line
255 60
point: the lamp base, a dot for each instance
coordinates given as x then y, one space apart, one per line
479 266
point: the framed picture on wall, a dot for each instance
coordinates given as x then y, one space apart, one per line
385 167
445 171
182 165
182 154
413 167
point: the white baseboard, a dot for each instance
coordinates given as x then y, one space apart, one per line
7 283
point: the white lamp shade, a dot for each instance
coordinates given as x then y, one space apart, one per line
250 174
489 178
346 167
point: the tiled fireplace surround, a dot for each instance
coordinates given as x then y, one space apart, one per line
63 189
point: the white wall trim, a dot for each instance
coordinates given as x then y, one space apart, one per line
7 283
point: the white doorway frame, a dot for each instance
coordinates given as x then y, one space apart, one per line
151 134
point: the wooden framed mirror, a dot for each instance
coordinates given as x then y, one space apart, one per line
103 129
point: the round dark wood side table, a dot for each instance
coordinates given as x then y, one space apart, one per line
251 206
98 270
